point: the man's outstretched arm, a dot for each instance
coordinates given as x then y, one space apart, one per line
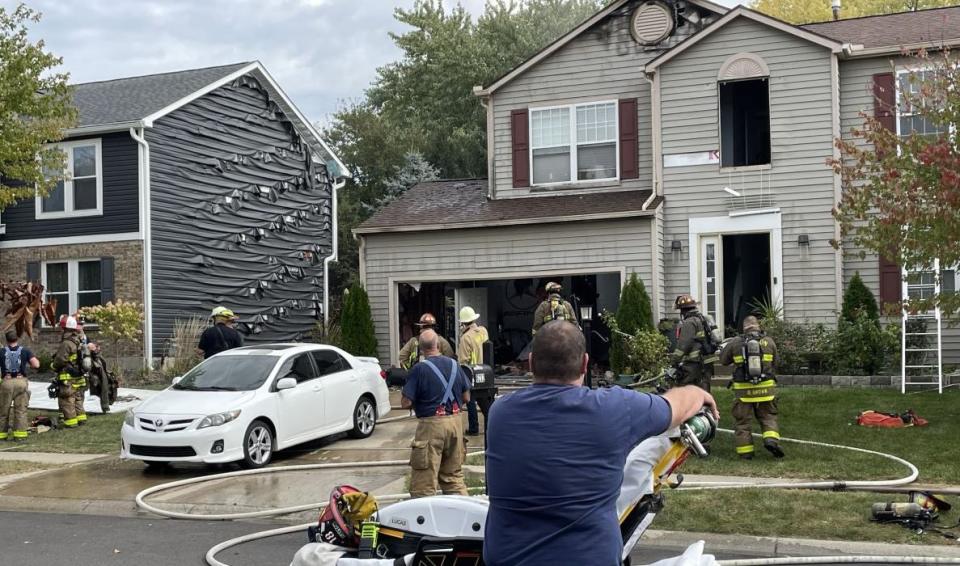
687 401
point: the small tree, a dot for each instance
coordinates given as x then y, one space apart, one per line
356 323
859 300
633 316
118 322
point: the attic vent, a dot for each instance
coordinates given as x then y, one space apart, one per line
743 66
651 23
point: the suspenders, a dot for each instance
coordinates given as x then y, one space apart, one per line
447 382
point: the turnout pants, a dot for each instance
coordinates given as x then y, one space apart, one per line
67 405
78 396
15 391
438 451
744 413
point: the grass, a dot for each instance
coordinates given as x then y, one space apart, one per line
100 435
788 513
829 415
8 467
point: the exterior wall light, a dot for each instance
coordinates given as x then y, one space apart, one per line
803 240
676 246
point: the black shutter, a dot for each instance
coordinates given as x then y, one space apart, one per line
106 280
33 271
520 140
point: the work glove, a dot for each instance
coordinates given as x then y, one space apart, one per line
73 370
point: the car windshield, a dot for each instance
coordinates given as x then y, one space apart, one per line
228 373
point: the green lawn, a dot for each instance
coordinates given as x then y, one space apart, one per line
788 513
828 415
100 435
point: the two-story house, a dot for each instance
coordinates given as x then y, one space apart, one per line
678 140
184 191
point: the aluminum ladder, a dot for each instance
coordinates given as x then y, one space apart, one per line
921 344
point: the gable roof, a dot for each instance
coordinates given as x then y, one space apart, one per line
894 30
456 204
744 12
570 36
136 102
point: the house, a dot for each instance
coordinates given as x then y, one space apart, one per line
678 140
184 191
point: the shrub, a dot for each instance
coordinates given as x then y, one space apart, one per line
644 353
858 299
356 323
802 348
633 316
859 347
118 323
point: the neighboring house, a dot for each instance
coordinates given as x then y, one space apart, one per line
184 191
678 140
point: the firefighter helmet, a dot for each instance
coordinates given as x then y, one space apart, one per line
685 302
222 312
68 322
468 315
751 323
553 287
427 320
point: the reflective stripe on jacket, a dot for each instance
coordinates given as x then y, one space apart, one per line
747 392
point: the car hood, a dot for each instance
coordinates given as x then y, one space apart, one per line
200 403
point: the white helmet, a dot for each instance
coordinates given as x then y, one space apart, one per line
468 315
68 322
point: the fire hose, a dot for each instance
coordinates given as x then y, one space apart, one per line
860 485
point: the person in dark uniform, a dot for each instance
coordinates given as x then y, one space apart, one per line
221 336
691 355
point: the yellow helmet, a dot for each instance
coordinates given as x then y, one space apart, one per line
222 312
468 315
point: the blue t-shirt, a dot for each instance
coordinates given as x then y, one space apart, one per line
555 457
25 356
426 390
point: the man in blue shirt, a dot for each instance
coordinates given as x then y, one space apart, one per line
14 388
437 389
555 456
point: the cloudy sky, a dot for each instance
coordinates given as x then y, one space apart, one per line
322 52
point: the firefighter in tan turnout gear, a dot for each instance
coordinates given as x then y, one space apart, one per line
470 353
70 376
554 307
411 353
754 385
697 345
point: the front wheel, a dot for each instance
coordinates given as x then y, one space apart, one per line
364 418
258 443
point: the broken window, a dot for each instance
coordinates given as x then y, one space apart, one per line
744 123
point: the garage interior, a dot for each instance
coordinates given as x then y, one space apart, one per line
506 308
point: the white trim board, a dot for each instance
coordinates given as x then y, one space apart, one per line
764 221
69 240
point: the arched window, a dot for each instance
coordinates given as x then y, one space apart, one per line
744 91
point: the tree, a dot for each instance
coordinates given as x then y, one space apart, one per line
415 170
806 11
858 300
356 323
118 322
901 193
35 109
634 316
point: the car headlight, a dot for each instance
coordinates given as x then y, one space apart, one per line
218 419
128 419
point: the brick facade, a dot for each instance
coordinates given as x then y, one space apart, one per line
128 278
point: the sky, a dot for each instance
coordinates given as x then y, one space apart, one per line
324 53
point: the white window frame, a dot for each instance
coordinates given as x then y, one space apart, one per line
572 109
68 211
73 280
901 71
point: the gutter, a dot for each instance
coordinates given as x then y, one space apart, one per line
857 51
145 221
337 185
102 128
641 213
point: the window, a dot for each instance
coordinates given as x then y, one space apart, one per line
81 192
577 142
744 123
299 368
329 362
74 284
909 118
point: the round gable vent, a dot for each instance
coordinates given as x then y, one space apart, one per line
652 22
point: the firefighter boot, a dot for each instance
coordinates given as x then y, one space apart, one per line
773 447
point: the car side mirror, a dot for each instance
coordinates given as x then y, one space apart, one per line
286 383
177 379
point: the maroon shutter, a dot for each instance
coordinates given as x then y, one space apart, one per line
885 111
520 136
629 150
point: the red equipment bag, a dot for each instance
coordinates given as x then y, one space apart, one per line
890 420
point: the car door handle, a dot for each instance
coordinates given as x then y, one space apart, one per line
317 387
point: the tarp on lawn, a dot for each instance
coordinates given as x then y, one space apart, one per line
126 398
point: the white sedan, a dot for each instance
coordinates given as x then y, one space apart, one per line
244 404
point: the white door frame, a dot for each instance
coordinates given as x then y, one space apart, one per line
738 223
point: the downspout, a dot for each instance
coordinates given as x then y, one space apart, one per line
488 107
337 185
655 133
145 222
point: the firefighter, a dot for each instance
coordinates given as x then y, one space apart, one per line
554 307
70 378
696 348
410 354
754 357
15 389
470 352
221 336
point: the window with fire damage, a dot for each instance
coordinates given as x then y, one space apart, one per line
745 122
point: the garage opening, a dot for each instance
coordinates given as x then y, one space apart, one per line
506 308
746 276
745 123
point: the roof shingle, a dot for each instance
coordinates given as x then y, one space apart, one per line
448 204
890 30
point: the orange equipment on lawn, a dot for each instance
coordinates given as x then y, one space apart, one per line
890 420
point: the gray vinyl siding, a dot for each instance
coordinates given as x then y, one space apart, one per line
236 201
611 245
121 202
856 96
799 181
